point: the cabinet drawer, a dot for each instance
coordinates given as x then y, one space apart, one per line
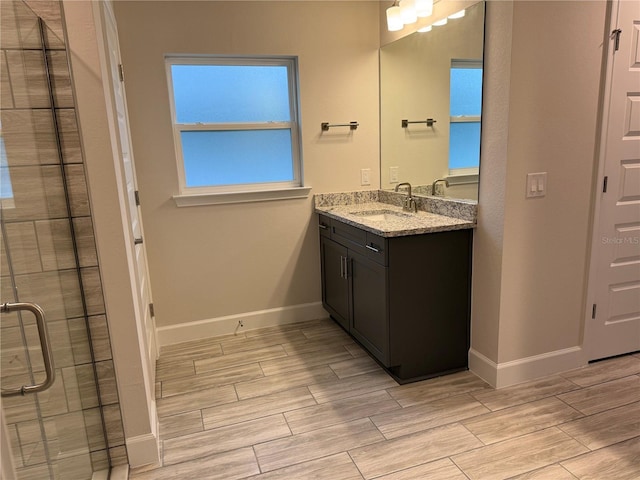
348 235
324 225
376 248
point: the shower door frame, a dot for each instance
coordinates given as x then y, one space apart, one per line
87 442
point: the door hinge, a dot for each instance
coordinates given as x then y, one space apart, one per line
121 72
593 311
604 184
136 195
616 39
152 310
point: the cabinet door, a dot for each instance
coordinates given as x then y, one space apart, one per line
335 284
369 312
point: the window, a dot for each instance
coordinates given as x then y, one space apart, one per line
6 191
465 111
235 123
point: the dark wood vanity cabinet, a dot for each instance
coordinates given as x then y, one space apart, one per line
405 299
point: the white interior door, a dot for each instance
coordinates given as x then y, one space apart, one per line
141 272
615 326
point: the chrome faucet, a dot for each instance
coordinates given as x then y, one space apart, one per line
409 203
433 185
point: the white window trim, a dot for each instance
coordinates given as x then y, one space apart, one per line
463 176
194 200
239 193
465 119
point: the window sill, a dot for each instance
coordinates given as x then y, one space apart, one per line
198 199
462 179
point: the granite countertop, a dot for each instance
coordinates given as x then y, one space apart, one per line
396 223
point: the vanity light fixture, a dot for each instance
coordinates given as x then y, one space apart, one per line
408 11
439 23
459 14
428 28
394 19
424 8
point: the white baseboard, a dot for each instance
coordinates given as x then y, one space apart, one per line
483 367
145 449
210 327
120 472
500 375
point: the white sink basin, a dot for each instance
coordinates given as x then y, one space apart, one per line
381 215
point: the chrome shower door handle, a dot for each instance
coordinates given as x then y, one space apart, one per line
44 345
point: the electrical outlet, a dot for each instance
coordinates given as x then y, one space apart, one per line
393 175
536 184
365 176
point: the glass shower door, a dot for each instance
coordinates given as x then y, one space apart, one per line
45 238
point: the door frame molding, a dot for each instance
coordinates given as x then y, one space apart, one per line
115 250
589 339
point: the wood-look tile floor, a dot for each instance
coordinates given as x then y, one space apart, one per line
304 401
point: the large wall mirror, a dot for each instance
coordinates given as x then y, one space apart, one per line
430 100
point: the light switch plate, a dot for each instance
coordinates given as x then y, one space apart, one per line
536 184
365 176
393 175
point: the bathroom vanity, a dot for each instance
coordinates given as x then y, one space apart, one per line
399 282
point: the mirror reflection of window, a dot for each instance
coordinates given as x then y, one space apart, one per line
6 191
465 113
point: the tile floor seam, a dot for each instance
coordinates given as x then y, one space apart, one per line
458 466
589 415
355 464
367 382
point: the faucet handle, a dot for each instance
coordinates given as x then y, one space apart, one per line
409 205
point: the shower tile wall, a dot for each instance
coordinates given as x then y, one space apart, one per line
38 238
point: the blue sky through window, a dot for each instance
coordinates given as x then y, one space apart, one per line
466 100
231 93
466 91
6 191
236 157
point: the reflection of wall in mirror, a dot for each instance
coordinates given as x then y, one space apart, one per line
414 85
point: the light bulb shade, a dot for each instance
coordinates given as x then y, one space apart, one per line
394 20
459 14
424 8
428 28
408 11
439 23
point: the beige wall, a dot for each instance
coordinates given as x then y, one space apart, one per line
555 86
211 261
541 105
530 254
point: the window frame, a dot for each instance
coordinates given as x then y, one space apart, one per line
466 174
234 193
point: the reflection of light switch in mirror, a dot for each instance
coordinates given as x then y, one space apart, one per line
536 184
393 174
365 176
